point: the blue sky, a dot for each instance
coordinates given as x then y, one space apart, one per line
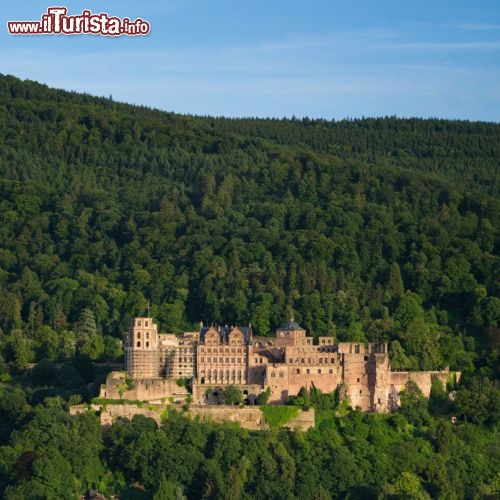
327 59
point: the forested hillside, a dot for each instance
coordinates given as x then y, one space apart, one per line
373 229
366 229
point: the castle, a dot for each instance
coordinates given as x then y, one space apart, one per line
216 357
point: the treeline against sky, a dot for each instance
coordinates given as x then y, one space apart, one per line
368 230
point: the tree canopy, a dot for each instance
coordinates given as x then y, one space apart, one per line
373 229
370 230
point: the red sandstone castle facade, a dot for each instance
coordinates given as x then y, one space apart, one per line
219 356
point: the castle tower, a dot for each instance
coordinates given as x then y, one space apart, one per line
381 386
291 333
141 349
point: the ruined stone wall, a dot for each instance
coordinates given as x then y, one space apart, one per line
248 417
257 373
422 379
258 358
111 412
381 383
356 378
249 391
287 380
184 361
151 389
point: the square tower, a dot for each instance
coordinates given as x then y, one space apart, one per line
141 349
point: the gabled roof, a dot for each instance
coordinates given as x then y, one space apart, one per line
223 332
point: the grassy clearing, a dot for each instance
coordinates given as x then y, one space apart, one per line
278 416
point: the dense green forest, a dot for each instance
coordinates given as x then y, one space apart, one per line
370 229
414 453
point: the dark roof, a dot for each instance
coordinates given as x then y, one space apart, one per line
273 354
224 331
291 326
263 341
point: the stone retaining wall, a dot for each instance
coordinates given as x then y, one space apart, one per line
247 417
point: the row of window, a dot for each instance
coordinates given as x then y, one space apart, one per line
175 350
221 360
304 342
221 350
139 335
311 370
221 374
209 341
215 380
328 348
308 371
312 349
318 361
